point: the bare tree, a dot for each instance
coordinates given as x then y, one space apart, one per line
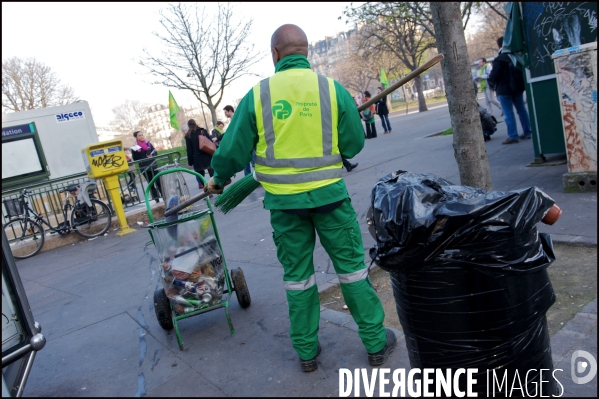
131 116
404 28
491 25
203 53
468 144
354 73
390 27
29 84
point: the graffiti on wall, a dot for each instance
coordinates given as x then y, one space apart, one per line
578 90
552 26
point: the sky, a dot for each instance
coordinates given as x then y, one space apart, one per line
94 47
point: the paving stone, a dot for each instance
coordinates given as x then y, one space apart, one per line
581 324
335 317
590 308
563 342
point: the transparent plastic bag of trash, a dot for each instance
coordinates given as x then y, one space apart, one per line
191 270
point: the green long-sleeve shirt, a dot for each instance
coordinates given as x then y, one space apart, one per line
234 152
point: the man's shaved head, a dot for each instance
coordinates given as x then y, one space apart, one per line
288 39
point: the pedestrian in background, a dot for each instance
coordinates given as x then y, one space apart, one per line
198 159
383 111
217 132
368 117
509 84
229 111
144 150
482 75
299 168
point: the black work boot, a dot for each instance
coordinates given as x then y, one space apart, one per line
352 166
377 359
312 364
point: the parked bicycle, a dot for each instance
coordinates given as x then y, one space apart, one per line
89 217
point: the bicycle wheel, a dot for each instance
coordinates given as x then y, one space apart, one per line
90 222
24 242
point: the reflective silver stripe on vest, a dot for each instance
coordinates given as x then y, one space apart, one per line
269 131
300 285
325 112
304 177
315 162
353 277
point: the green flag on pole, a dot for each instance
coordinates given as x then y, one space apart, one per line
384 80
173 109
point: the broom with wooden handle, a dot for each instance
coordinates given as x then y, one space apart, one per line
239 190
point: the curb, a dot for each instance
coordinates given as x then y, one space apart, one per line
574 241
346 320
559 239
56 241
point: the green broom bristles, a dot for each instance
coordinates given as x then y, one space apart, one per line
238 191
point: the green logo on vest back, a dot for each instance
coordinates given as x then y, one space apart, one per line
281 109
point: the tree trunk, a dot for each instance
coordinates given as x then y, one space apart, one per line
468 143
213 116
204 115
421 100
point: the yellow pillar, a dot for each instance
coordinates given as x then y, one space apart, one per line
111 183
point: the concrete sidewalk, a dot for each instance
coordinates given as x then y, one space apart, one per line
93 299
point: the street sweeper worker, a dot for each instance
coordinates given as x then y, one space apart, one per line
302 125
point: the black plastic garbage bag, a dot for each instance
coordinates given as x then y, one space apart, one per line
469 276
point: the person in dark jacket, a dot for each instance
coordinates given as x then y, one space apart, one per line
383 111
218 132
195 157
144 150
509 86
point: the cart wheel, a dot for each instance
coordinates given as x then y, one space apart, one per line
162 308
241 288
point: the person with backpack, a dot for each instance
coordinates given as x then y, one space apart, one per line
508 83
368 117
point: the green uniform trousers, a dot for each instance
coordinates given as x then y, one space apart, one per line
339 233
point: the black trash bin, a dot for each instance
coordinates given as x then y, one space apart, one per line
469 276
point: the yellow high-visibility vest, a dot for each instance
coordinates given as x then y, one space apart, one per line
296 117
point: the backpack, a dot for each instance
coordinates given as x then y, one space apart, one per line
486 120
516 79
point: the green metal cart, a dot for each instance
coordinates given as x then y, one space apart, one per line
193 270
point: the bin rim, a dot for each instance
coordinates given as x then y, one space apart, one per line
182 218
157 176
